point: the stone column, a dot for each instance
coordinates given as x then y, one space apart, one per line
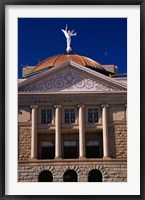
105 132
82 151
34 132
57 131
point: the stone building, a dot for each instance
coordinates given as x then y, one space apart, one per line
72 124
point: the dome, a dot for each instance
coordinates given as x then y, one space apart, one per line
61 58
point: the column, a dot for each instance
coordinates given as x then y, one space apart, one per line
105 132
57 131
34 132
82 151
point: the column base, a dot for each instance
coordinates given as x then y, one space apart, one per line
82 157
58 158
107 158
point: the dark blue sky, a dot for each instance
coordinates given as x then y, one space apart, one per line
102 39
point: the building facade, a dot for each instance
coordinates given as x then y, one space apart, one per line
72 124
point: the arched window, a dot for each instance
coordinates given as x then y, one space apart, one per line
45 176
70 176
95 176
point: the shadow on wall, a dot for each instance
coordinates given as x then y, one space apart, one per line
112 142
20 112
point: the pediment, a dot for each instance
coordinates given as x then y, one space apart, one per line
71 79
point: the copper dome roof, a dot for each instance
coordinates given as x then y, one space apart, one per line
61 58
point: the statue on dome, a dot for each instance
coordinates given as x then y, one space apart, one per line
68 34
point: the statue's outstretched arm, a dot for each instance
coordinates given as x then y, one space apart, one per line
74 34
72 31
65 33
63 30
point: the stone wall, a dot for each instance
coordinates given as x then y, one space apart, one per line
24 144
24 115
121 141
118 140
110 172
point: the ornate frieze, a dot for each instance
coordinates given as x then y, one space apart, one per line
69 80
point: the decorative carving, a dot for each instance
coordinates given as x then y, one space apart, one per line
89 84
69 80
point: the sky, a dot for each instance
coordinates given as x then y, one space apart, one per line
101 39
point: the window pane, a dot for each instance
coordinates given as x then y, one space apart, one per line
92 143
43 116
70 143
49 116
95 115
47 144
66 115
90 116
72 115
66 143
73 143
90 111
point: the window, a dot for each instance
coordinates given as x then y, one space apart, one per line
70 149
95 176
70 176
92 115
47 150
46 116
45 176
69 116
93 149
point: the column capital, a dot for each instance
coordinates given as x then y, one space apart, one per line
34 106
81 105
57 106
104 105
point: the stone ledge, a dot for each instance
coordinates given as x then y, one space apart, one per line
74 162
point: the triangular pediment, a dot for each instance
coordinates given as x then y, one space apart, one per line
70 78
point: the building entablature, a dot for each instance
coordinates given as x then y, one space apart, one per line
72 99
